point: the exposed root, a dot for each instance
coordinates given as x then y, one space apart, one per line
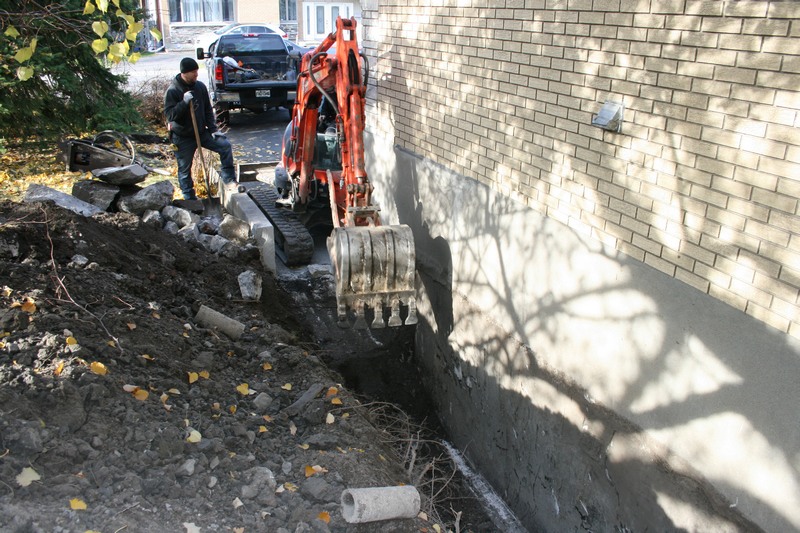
427 464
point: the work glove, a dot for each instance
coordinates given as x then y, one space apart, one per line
218 135
188 96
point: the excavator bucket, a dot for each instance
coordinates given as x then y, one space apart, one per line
374 268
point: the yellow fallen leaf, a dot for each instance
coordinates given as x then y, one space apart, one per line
243 389
164 397
141 395
131 326
192 377
194 437
27 476
332 391
174 391
292 428
303 446
262 429
423 516
156 315
232 409
345 415
437 528
287 386
266 366
291 487
71 341
148 357
76 504
325 517
330 418
238 530
98 368
6 291
336 401
28 306
59 369
204 374
130 388
112 344
316 469
267 418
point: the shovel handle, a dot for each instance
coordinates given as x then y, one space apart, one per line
199 148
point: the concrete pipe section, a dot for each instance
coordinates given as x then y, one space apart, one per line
379 503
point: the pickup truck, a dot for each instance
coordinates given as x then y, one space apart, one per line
256 72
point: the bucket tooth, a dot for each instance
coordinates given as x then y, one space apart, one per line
412 311
377 322
361 322
394 320
341 315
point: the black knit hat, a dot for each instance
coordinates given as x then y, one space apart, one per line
188 65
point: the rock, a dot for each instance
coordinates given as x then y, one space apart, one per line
155 197
218 242
234 229
261 480
40 193
250 286
319 271
322 441
262 401
127 175
79 260
318 489
171 227
96 193
181 217
9 246
187 468
153 218
208 225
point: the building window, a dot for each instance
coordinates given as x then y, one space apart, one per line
288 10
320 19
200 10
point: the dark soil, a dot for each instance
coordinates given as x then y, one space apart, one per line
80 337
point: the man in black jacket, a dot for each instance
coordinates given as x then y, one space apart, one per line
186 95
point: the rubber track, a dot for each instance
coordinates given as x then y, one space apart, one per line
294 243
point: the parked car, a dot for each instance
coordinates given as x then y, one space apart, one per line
205 40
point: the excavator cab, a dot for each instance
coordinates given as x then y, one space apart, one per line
374 265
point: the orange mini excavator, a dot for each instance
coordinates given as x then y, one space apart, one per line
323 166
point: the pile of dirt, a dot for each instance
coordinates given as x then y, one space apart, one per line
118 411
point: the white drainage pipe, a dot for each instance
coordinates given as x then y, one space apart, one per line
379 503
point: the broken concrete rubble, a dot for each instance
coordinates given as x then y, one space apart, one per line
98 193
250 286
40 193
127 175
155 196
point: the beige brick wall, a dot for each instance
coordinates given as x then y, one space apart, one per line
702 183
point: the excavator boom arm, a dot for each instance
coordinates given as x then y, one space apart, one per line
374 264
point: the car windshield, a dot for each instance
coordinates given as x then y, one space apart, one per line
226 28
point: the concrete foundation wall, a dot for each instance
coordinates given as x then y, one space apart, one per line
590 388
608 320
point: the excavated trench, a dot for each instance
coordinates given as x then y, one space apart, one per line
380 367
